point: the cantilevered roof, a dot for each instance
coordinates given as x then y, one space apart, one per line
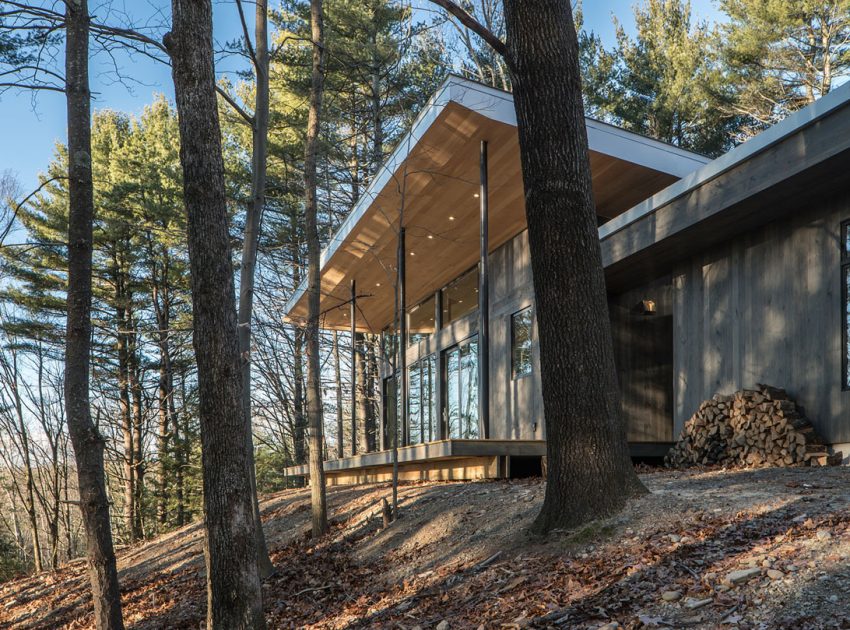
432 179
785 168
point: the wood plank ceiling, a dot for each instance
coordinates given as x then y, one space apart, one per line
437 186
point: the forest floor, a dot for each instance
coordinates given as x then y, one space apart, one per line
767 548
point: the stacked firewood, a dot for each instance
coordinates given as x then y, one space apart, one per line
761 427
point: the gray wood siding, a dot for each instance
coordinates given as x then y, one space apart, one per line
765 307
516 406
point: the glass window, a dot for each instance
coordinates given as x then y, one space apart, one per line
420 321
845 292
422 400
460 297
462 391
414 402
521 343
389 345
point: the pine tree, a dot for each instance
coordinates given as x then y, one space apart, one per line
780 56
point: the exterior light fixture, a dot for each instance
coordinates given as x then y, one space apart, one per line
647 307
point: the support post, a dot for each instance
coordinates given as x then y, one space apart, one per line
402 335
484 300
353 367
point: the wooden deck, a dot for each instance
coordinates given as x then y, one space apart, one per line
446 460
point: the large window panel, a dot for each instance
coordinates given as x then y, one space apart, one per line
422 400
521 343
460 297
453 392
421 321
414 402
462 391
469 390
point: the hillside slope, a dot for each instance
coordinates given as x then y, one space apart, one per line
756 548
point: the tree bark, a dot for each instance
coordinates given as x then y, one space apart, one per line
314 383
253 218
363 406
590 471
340 429
234 597
87 442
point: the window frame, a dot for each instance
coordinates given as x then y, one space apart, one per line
514 375
845 278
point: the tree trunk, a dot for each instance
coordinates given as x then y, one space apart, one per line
314 383
249 253
372 406
365 427
299 437
165 393
126 414
340 429
590 472
138 420
87 442
234 597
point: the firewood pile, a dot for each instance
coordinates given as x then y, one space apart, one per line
761 427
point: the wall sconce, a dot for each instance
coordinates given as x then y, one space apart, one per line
647 307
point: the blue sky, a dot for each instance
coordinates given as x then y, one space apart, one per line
30 127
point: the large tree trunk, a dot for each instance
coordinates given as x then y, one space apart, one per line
590 473
87 442
234 598
249 252
314 382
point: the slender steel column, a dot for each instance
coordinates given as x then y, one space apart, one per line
353 368
484 301
402 334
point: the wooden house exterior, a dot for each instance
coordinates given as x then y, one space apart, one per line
720 273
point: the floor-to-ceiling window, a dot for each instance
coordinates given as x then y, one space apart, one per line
422 400
461 397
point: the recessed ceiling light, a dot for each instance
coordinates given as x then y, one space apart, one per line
430 236
475 195
451 218
413 253
377 284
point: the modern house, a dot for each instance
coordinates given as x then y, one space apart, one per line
720 274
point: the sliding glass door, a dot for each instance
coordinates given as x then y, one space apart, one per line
461 390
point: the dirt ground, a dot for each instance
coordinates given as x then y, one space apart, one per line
767 548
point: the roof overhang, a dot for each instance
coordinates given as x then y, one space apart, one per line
787 168
432 177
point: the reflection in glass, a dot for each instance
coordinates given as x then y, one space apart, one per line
521 343
460 297
453 392
414 403
462 391
422 400
420 321
389 343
